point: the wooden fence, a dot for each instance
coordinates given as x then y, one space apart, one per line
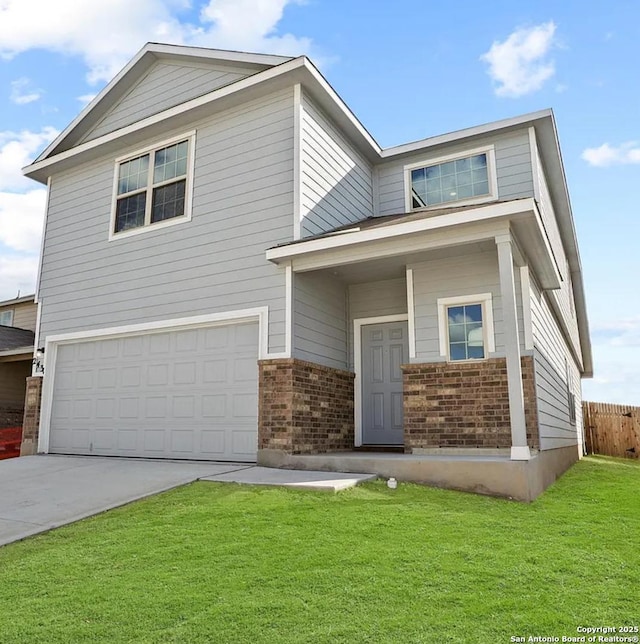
613 430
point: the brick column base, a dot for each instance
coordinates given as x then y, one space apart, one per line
464 404
304 408
31 420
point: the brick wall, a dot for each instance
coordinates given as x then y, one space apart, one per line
31 422
304 408
464 404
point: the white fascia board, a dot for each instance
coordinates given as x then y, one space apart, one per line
483 213
451 137
217 54
342 107
27 351
245 83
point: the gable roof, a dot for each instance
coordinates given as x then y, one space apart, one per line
135 70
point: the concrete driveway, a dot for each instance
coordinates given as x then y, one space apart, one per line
41 492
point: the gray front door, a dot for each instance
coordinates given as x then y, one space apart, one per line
384 348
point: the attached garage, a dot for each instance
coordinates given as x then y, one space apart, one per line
189 393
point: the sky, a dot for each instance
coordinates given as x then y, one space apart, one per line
408 69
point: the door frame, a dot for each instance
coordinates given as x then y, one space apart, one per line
358 323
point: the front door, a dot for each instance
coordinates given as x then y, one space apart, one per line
384 348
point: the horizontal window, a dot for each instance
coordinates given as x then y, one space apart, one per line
152 187
466 327
467 178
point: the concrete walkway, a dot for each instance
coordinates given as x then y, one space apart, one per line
38 493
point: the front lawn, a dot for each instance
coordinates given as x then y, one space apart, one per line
223 563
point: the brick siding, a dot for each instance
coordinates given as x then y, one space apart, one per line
31 422
464 404
304 408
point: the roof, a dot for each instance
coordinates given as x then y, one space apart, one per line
12 338
18 300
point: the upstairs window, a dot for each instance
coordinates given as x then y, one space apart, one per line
153 187
6 317
468 179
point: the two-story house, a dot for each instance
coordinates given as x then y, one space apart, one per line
234 269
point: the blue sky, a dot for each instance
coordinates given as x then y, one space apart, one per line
408 70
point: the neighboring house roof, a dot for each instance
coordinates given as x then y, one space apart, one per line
17 300
12 339
277 72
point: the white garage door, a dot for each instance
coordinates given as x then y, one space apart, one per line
189 394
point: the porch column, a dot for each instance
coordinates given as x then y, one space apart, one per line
519 448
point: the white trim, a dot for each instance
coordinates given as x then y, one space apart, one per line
36 341
259 314
288 316
411 314
488 330
16 352
535 170
520 453
489 150
190 137
358 323
527 319
297 161
44 232
503 209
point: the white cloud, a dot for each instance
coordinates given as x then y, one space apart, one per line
107 34
17 274
21 93
519 65
85 99
606 154
21 218
17 149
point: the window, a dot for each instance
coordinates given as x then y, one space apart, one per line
571 396
153 187
6 318
466 327
469 179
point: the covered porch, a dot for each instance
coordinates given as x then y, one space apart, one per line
374 311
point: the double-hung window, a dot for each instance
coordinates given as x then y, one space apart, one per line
466 327
153 187
467 178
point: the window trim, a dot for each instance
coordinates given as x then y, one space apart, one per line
489 150
190 137
488 331
11 316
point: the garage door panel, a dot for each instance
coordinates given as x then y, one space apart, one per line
181 394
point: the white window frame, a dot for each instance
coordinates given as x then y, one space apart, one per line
488 331
3 313
492 177
188 194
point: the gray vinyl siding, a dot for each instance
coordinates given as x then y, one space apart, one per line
336 185
166 85
564 295
513 168
242 205
373 299
320 319
553 362
471 274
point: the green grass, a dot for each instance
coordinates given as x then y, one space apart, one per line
223 563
